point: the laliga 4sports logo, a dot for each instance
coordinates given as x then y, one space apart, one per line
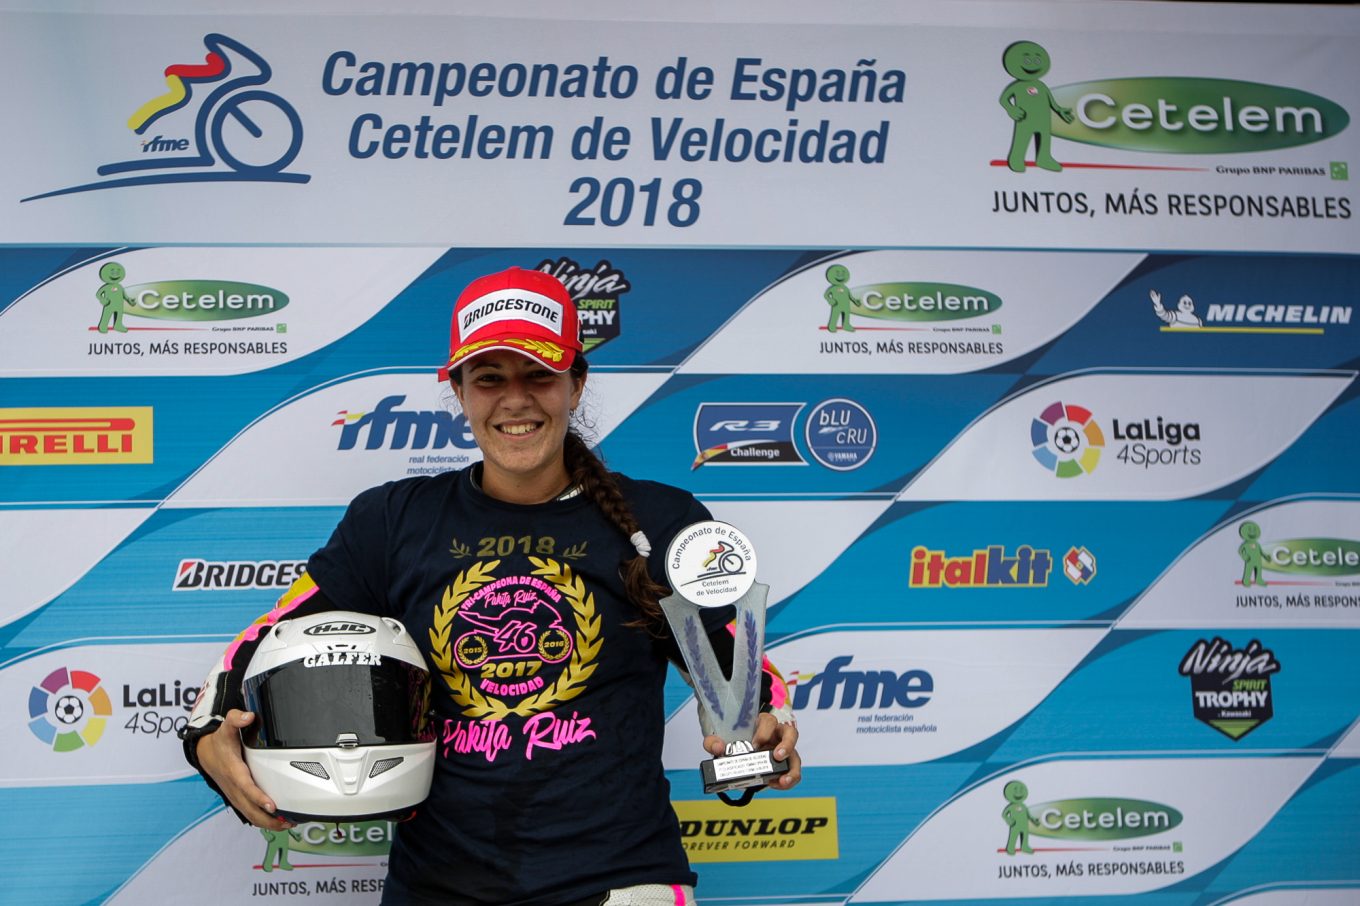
1166 114
1067 441
69 709
226 127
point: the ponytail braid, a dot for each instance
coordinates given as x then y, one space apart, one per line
589 474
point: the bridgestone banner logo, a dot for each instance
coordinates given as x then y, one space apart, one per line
235 575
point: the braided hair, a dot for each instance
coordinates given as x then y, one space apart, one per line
587 472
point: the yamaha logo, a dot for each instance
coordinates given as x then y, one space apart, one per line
340 627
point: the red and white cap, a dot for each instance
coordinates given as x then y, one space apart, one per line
528 312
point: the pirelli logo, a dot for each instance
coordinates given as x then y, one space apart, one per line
768 829
104 435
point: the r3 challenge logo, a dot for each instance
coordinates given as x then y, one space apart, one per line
839 434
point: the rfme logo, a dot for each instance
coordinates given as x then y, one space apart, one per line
388 428
844 689
161 143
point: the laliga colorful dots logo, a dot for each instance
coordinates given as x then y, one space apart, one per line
69 709
1067 440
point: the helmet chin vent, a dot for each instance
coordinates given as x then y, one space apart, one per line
384 765
311 767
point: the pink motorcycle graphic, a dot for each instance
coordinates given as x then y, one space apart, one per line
528 629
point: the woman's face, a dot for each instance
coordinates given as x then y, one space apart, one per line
519 412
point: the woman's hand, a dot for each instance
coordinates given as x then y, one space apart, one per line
770 734
219 754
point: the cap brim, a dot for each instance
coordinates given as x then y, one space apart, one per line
552 356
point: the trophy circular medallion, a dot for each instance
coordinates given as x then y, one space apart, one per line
711 564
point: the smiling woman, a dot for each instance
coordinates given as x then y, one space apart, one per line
530 582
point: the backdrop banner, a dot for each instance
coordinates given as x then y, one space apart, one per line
1019 337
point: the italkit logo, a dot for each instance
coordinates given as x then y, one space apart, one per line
943 318
1243 317
215 124
1164 114
1230 687
989 567
596 292
1067 440
68 710
839 434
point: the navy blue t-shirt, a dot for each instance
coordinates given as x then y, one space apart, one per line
548 785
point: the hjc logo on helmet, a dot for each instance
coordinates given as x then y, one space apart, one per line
339 628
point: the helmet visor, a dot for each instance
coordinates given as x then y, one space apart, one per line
299 707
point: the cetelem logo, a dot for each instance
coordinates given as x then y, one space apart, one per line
1167 114
901 305
347 840
1303 567
76 436
231 130
1230 687
1096 819
1066 440
193 301
596 292
984 568
68 710
1240 317
388 428
1194 115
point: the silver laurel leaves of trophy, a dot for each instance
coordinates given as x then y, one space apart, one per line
712 564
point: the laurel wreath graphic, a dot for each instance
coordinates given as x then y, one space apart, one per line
550 351
570 683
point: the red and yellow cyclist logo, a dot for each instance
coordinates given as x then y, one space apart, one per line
240 131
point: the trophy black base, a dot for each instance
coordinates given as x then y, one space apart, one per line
737 772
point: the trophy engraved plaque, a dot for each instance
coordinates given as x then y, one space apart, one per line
712 564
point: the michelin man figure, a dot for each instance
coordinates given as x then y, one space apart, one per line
1183 316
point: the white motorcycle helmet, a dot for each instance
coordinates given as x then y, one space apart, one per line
342 720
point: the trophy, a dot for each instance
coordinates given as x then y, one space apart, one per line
711 564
